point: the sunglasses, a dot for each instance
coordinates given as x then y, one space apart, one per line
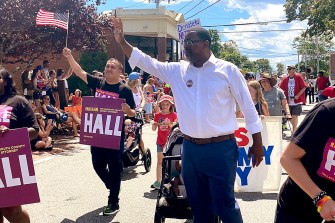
191 42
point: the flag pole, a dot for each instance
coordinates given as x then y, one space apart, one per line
67 31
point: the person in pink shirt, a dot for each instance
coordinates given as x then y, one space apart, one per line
163 120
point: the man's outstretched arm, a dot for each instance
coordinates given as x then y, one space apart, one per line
74 65
117 27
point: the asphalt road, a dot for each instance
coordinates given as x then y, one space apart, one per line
71 192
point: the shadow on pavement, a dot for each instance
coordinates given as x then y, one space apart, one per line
129 173
254 196
151 195
92 217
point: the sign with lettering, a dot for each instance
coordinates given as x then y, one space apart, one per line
183 28
265 177
101 122
327 167
17 176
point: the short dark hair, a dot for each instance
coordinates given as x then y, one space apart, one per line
10 86
321 73
45 62
202 33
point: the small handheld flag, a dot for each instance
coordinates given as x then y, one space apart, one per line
52 19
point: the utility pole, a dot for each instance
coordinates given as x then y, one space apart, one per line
317 54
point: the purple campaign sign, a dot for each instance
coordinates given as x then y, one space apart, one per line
17 176
101 122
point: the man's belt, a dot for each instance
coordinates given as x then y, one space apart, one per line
201 141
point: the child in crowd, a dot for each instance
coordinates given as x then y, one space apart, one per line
129 132
76 98
178 183
163 120
257 96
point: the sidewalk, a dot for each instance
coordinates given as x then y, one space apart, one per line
61 144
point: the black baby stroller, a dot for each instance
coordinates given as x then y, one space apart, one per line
169 203
131 154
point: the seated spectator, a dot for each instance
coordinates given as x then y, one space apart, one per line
43 140
178 183
53 113
129 133
328 92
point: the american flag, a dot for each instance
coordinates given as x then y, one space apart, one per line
53 19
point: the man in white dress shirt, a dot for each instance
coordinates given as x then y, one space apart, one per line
205 89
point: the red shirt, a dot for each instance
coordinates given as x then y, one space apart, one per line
329 92
76 100
322 82
164 130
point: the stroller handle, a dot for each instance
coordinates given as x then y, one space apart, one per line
176 157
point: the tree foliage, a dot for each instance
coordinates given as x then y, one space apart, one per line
320 14
22 41
216 46
280 68
312 49
231 53
263 65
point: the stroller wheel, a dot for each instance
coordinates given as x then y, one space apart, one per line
159 218
147 160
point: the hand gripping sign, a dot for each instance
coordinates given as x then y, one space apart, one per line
101 122
17 176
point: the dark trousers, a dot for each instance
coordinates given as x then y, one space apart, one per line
209 173
107 164
310 94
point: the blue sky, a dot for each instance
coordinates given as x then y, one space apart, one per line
275 46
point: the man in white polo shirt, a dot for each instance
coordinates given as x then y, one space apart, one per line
205 89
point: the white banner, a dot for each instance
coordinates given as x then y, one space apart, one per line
265 177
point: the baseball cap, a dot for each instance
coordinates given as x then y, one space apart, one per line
166 98
134 76
291 67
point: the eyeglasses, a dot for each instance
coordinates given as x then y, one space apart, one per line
191 42
47 98
290 68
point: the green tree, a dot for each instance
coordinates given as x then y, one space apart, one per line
263 65
216 46
320 14
231 53
280 68
22 41
314 49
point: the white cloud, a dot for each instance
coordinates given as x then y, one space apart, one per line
261 44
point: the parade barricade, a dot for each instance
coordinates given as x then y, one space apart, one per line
265 177
101 122
18 184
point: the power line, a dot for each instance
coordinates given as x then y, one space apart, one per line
194 7
263 31
264 51
135 4
203 9
249 23
185 6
